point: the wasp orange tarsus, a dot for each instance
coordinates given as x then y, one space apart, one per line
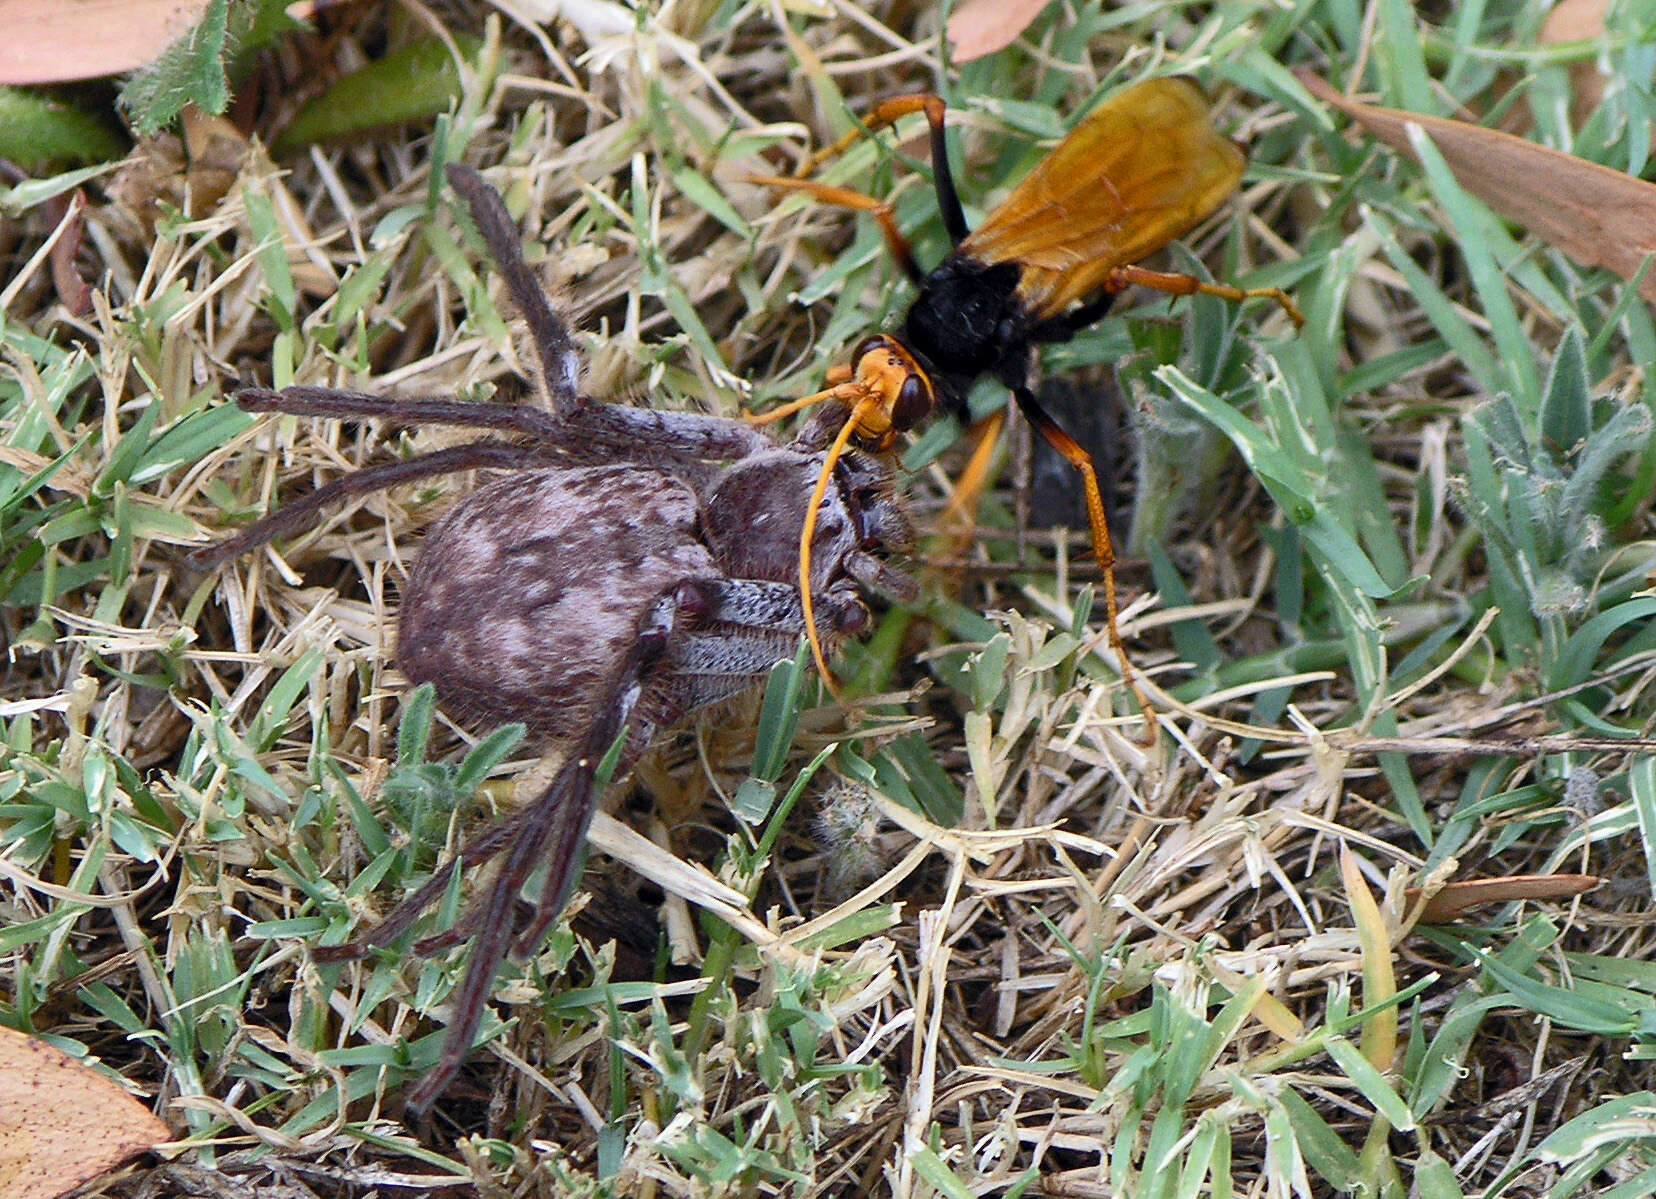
1142 169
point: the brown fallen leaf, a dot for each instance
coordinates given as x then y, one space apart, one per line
72 289
217 150
1598 216
1455 898
63 1124
980 27
50 41
1579 21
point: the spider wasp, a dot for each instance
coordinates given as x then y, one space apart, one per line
1142 169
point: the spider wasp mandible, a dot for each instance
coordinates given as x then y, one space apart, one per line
1142 169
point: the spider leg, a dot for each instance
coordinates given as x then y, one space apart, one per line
633 434
295 516
489 949
875 572
554 827
592 433
404 411
559 359
747 626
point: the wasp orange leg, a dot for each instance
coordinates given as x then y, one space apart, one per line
959 518
887 113
1103 549
968 489
844 197
1176 284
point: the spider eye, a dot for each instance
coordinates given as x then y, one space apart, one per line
914 402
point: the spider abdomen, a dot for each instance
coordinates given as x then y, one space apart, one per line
525 597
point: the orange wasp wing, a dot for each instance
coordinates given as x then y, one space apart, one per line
1142 169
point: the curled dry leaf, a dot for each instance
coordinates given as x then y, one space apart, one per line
217 151
978 28
1455 898
72 289
1597 216
61 1123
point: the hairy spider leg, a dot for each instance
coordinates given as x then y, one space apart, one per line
560 361
296 514
552 831
341 404
596 432
714 631
593 435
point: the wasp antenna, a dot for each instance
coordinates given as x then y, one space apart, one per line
808 532
836 392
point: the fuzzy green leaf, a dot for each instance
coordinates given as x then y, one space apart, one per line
190 71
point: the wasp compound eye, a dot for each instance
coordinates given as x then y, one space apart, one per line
914 403
867 346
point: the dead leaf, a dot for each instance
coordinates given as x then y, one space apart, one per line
1597 216
63 1124
1579 21
1448 903
980 27
72 289
217 151
50 41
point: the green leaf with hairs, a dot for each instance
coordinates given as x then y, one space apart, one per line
190 71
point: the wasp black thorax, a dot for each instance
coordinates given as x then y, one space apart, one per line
965 321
